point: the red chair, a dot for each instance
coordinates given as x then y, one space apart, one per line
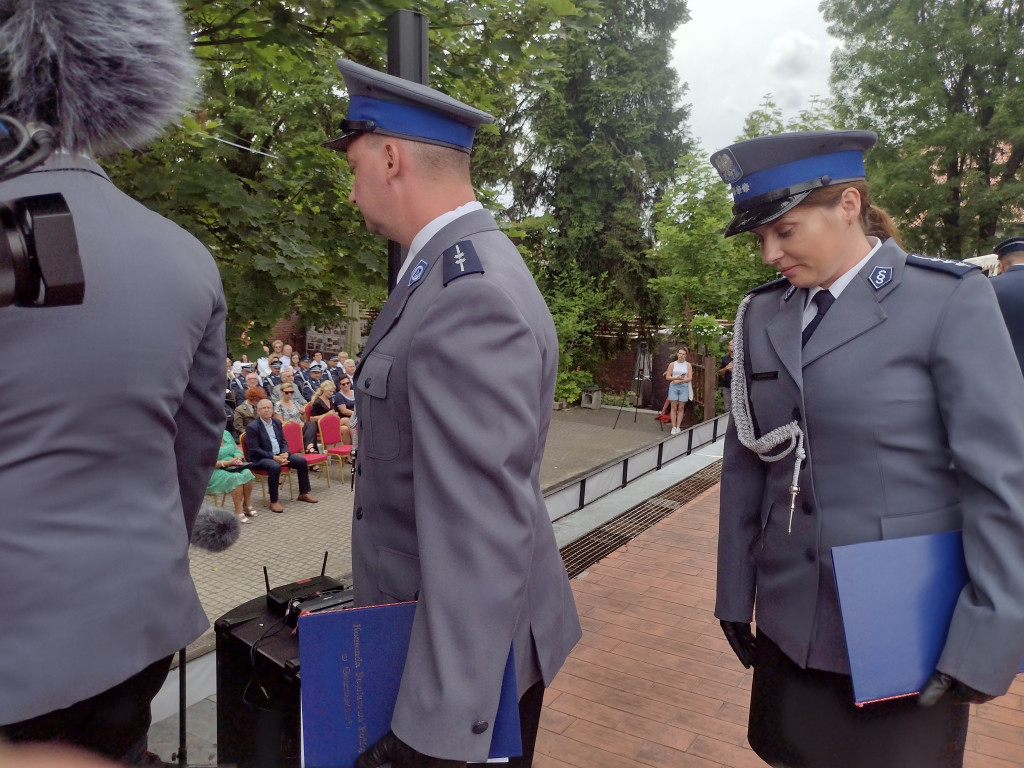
293 436
262 474
308 410
330 439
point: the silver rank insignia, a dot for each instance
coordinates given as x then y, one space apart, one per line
880 277
460 260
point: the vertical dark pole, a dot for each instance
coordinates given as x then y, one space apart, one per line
407 58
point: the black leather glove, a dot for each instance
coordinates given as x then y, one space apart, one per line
742 641
940 683
392 749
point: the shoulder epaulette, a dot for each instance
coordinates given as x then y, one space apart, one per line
459 260
777 283
958 268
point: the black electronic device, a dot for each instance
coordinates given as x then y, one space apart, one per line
324 601
280 598
39 261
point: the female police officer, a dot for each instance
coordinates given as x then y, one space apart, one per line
877 376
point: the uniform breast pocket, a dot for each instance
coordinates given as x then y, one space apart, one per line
378 422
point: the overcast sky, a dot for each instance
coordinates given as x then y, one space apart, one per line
732 52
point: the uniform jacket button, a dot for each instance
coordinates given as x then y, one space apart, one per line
796 414
479 727
366 384
809 554
359 469
359 513
808 508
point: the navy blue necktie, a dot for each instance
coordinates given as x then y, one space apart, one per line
824 300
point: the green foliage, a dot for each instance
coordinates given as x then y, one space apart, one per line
247 174
767 118
578 303
701 271
950 119
708 336
605 132
570 384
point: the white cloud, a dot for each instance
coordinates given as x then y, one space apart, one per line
731 53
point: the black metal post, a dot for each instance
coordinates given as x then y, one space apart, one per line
407 58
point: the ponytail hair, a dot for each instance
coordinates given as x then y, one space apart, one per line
874 220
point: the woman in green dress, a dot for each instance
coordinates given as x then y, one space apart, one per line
236 482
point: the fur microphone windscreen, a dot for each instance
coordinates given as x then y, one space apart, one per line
215 528
104 74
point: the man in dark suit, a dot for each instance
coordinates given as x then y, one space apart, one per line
1009 287
268 452
440 502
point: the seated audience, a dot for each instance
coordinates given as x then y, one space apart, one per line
323 403
287 409
272 379
288 377
311 383
238 483
268 452
345 400
246 412
263 364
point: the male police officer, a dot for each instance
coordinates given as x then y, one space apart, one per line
448 509
1009 287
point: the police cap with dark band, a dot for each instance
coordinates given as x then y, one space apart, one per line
770 175
391 106
1008 246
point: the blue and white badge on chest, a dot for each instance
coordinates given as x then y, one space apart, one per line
460 260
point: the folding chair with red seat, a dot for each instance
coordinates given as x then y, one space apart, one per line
293 436
330 439
262 474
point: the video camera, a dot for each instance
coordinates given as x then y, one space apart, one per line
39 261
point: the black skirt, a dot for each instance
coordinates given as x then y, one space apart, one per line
806 718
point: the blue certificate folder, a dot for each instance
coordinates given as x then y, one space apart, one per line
352 662
897 598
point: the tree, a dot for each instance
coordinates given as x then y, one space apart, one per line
950 120
819 115
701 271
246 173
604 136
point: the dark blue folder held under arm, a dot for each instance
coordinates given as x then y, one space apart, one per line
352 662
897 599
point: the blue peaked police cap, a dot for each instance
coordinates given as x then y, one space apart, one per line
1008 246
770 175
392 106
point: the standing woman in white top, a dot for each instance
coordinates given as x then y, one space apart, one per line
678 375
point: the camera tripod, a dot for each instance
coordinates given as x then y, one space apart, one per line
641 376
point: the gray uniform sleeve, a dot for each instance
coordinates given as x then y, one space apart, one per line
200 419
975 374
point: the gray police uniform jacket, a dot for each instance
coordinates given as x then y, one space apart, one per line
101 477
899 393
1009 288
453 396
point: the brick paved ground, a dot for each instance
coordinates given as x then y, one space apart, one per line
654 683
